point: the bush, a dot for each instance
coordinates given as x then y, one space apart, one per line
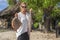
36 25
58 23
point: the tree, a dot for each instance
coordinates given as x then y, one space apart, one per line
49 6
38 7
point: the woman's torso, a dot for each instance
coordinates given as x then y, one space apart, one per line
24 20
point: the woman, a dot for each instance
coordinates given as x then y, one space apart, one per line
23 32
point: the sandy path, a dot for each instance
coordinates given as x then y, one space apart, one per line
35 35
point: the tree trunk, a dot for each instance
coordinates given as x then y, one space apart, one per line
47 12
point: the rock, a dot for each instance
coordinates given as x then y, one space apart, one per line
3 23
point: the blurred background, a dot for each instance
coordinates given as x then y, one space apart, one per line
45 15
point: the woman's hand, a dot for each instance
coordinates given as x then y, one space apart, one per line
30 10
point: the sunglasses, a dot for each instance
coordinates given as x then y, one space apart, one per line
23 6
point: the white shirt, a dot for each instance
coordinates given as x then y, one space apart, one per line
25 24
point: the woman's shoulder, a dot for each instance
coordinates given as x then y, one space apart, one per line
19 13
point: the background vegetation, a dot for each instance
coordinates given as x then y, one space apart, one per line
41 9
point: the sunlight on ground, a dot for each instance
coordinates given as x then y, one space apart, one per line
35 35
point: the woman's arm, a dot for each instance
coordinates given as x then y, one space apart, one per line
12 24
16 15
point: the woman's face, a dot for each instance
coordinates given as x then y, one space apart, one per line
23 7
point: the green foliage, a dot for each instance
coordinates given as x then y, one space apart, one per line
39 15
55 13
36 25
10 2
38 5
58 23
47 3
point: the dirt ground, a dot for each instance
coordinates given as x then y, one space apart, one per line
35 35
